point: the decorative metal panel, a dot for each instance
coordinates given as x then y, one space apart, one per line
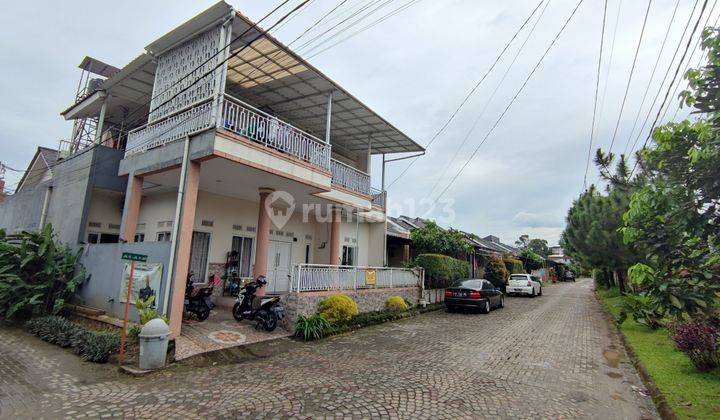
172 76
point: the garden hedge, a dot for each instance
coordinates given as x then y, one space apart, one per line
441 270
513 266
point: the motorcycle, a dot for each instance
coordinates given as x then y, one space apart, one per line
267 313
196 300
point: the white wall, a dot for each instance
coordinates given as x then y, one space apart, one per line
106 209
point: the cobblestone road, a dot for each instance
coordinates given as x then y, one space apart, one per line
548 357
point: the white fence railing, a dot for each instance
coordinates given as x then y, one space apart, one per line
348 177
378 197
256 125
320 277
172 128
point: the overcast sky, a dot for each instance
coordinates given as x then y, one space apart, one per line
413 69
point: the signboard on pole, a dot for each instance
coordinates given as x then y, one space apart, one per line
146 281
370 277
129 256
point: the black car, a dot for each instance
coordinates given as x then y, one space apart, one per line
474 293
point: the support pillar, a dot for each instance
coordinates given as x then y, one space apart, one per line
184 240
262 236
334 236
131 210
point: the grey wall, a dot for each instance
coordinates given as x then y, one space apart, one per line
170 154
22 211
103 264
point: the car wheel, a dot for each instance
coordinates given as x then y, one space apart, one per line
502 302
540 293
532 294
486 309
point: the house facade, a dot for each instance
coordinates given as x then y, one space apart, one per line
237 155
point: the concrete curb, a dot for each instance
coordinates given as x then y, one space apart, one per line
661 404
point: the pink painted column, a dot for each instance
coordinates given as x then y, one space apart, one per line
133 197
263 236
182 256
335 236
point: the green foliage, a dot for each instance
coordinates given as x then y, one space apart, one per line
431 239
396 304
133 332
96 346
337 309
513 266
673 219
312 327
441 270
496 272
539 246
643 309
531 260
54 329
37 274
93 346
147 312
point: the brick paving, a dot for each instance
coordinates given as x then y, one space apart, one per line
548 357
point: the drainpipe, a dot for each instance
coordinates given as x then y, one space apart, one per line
46 204
176 224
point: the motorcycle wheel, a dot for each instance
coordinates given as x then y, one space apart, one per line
203 312
271 322
237 312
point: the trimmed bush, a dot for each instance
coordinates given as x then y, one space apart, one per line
93 346
513 266
396 304
496 273
312 327
337 308
441 270
96 346
54 329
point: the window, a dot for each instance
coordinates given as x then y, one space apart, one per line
472 283
242 247
93 238
139 237
348 255
164 236
102 238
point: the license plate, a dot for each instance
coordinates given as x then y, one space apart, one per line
460 294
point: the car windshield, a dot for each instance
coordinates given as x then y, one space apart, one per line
518 277
474 284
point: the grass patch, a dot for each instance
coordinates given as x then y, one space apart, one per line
690 394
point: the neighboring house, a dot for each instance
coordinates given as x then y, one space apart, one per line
262 155
557 255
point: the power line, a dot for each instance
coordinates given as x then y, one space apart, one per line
597 88
487 103
469 94
522 87
632 70
677 70
652 75
609 66
667 73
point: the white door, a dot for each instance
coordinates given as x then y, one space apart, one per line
279 266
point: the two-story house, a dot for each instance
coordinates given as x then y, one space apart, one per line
234 151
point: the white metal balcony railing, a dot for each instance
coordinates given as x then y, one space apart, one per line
321 277
348 177
261 127
378 197
171 128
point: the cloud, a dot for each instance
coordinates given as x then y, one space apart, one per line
535 220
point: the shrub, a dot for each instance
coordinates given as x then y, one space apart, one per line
643 309
700 340
396 304
96 346
337 308
146 312
513 266
441 270
133 332
37 274
496 272
93 346
54 329
311 328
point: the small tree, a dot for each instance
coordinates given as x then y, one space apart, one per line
431 239
496 272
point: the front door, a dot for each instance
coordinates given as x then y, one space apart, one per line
279 266
199 248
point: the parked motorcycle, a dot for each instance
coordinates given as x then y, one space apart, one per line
267 312
196 299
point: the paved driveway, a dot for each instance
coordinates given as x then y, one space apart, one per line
548 357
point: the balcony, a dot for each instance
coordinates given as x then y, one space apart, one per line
261 127
349 178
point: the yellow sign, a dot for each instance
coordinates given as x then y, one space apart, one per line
370 278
